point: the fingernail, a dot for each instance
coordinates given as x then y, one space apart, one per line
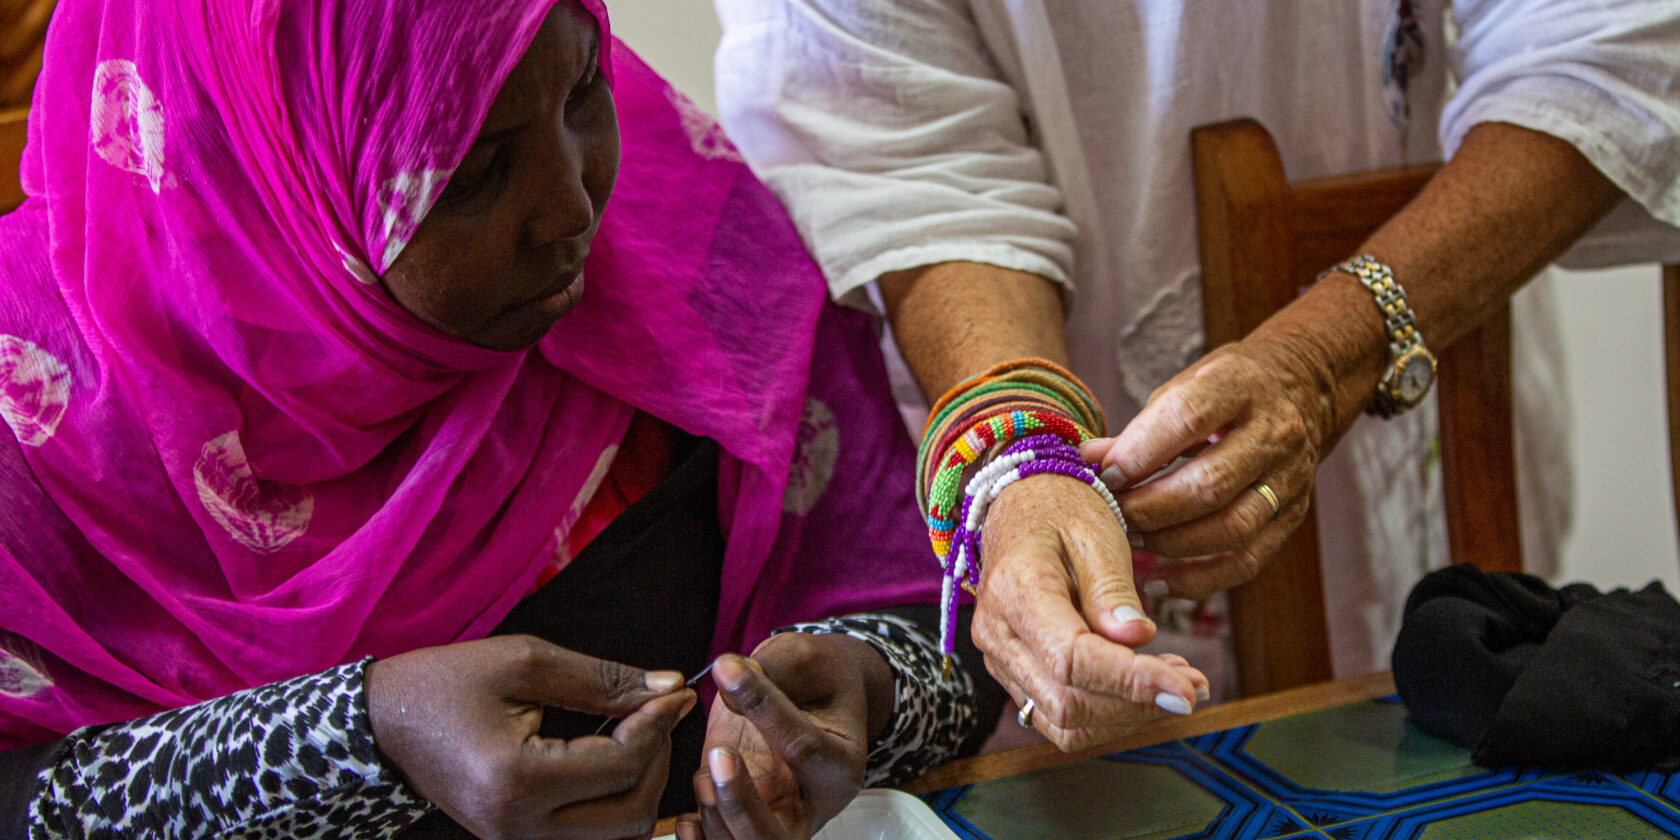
1156 588
1113 477
722 764
1127 613
1168 702
688 831
661 680
1202 693
704 792
728 672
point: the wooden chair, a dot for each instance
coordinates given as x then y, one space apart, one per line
23 32
1261 239
11 151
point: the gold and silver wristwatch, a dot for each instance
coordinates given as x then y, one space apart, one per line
1411 367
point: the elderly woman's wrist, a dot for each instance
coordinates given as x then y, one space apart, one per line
1329 353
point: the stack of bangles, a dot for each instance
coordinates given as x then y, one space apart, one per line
1021 418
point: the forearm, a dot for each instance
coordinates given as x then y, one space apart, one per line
1503 208
953 320
288 757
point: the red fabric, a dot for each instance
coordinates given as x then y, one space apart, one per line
645 457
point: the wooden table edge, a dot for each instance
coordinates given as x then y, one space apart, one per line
1293 701
1309 698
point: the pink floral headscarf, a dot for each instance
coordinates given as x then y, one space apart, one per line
236 459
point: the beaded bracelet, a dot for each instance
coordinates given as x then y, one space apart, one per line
1032 400
998 428
1029 383
1042 454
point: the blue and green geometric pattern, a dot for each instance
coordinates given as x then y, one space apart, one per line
1356 772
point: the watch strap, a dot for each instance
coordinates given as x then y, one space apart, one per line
1399 325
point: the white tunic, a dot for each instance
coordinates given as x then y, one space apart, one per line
1052 136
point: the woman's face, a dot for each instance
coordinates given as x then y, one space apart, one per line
499 258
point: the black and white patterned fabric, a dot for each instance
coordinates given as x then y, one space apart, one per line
296 759
931 714
293 759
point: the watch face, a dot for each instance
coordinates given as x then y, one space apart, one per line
1412 380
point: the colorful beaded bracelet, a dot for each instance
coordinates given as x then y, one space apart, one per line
1043 454
1034 383
998 428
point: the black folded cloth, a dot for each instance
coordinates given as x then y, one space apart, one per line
1522 673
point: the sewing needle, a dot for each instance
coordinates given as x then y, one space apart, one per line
695 680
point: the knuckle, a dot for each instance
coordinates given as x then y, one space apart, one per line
1295 430
1209 481
1057 705
1059 661
1184 415
1246 564
526 652
617 678
623 778
805 747
1064 739
1244 522
796 648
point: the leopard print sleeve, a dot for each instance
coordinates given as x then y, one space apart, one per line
291 759
931 715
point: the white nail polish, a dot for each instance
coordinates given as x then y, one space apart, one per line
1202 694
1156 588
1126 612
1134 539
1112 477
1172 703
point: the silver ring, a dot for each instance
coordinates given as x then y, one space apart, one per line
1024 717
1267 494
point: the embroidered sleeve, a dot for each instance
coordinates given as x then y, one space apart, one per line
931 716
291 759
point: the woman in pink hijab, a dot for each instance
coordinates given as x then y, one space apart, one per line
363 461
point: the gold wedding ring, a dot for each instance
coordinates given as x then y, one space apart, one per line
1267 494
1024 717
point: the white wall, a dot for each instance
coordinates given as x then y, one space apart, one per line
1624 501
1624 523
675 37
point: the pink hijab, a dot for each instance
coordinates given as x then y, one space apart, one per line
237 460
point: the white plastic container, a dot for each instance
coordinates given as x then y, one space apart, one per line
882 815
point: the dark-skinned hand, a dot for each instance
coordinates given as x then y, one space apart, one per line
460 723
788 739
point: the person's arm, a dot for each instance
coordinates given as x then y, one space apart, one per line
295 756
951 320
942 195
1564 107
1505 206
365 749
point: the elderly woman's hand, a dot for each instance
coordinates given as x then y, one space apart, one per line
1249 415
787 741
460 723
1058 619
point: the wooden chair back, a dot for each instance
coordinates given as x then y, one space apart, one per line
1263 238
11 151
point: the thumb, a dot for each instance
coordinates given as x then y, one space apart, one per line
1102 570
539 672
